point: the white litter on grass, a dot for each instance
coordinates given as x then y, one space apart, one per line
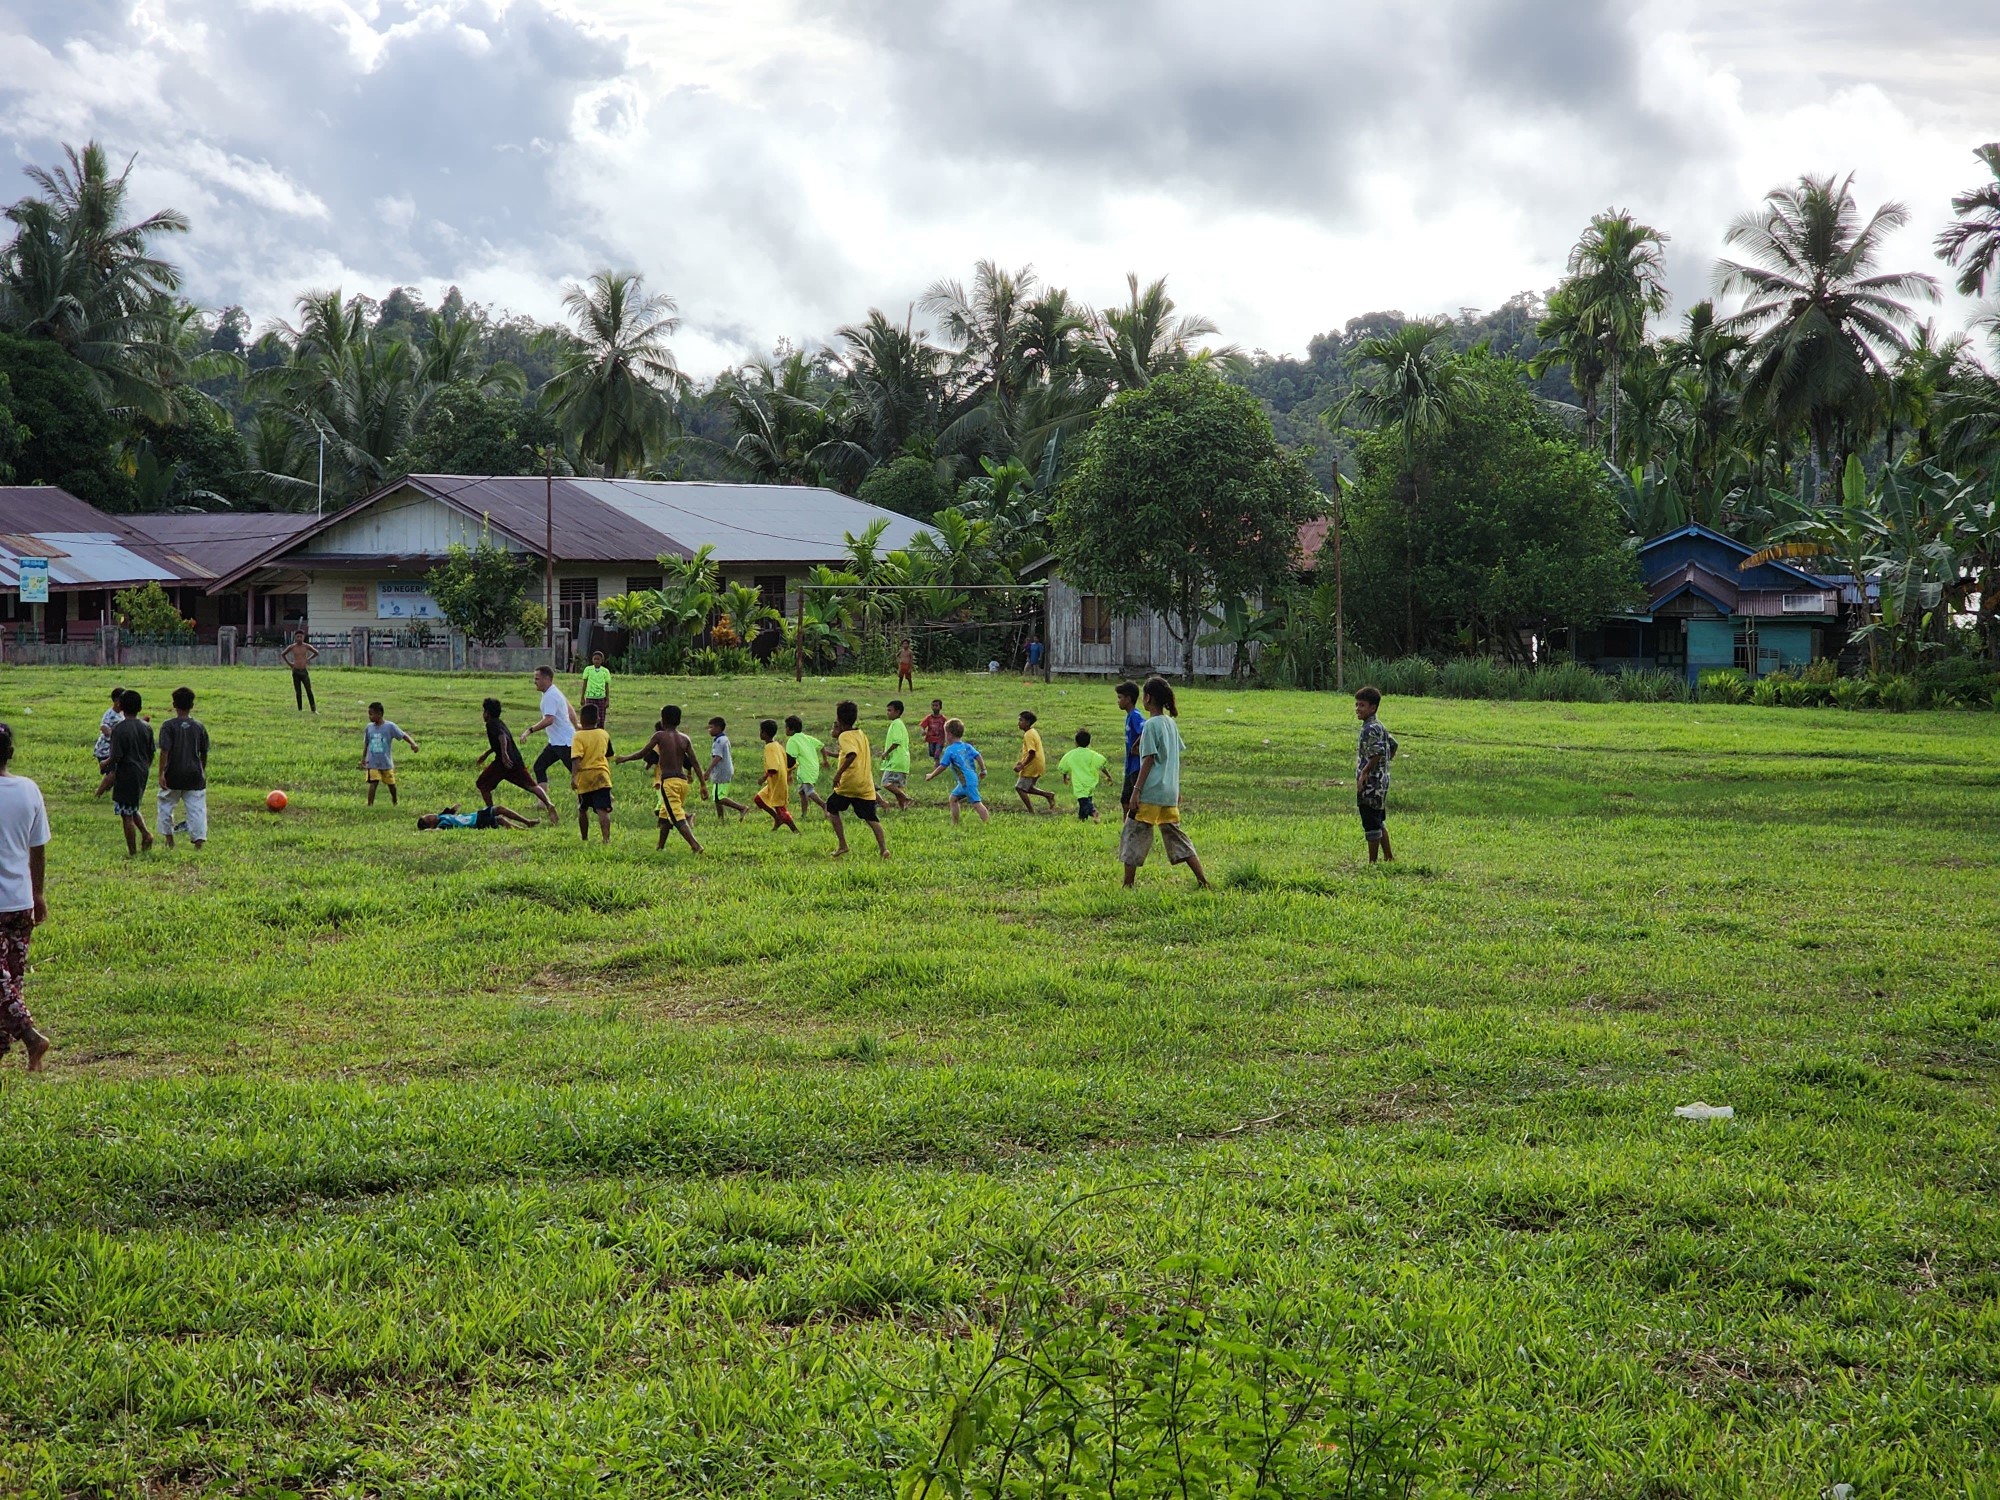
1841 1492
1701 1111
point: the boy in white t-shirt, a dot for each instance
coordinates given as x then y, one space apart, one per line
24 838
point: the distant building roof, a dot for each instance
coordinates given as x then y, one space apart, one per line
212 543
625 520
86 548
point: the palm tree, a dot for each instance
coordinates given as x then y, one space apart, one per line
792 426
1822 321
613 391
1569 340
1616 273
899 380
78 274
1703 357
1143 339
1973 243
1415 390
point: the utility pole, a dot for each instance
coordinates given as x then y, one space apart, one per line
549 555
799 639
1339 592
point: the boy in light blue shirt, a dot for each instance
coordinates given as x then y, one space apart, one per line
967 764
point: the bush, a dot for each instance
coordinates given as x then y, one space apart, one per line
1403 677
1723 685
149 613
1563 682
1764 692
1854 692
1651 685
1899 694
1470 677
1959 682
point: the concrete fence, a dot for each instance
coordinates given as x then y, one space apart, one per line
451 653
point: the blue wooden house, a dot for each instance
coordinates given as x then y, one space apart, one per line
1705 610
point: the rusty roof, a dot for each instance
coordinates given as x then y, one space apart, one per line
86 548
212 543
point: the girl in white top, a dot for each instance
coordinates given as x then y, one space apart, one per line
24 838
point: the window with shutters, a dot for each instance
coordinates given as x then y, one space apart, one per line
1095 619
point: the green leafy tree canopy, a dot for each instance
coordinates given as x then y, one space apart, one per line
482 590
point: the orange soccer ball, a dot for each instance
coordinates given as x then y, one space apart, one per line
276 801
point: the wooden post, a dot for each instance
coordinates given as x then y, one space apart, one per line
549 557
1048 639
799 639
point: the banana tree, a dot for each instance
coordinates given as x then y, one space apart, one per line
1242 627
1849 533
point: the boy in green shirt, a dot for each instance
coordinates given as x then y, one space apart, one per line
597 689
896 756
1081 768
804 751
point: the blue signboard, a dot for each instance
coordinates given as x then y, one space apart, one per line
34 580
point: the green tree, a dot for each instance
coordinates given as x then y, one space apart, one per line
1181 497
1516 531
1616 274
63 435
482 589
1822 321
149 611
898 378
1972 244
466 429
908 485
614 387
1133 344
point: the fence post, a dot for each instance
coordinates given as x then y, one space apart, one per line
225 646
358 647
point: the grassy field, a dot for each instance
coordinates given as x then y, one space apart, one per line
379 1163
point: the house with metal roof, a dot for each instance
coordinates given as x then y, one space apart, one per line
364 566
1707 609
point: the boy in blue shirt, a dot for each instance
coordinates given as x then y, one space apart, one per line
378 742
1135 725
967 764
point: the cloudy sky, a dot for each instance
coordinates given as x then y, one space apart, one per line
780 166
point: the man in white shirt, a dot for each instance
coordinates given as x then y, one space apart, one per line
24 838
559 722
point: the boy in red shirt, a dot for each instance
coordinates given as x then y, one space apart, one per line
933 728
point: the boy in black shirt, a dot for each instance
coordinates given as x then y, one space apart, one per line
507 763
129 769
184 772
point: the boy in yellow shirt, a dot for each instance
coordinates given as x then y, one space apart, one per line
1031 766
590 775
774 793
853 779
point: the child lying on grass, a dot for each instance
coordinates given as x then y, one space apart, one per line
486 817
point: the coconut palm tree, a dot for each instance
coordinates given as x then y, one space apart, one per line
614 389
1568 340
792 426
898 378
1973 243
1822 320
1616 272
1133 344
77 273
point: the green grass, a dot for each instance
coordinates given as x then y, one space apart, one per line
380 1163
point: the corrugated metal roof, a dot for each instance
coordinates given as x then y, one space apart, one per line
219 542
629 521
86 548
39 507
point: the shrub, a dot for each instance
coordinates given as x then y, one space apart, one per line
1651 685
1899 694
1764 692
1959 682
1564 682
1854 692
1723 685
1403 677
149 613
1470 677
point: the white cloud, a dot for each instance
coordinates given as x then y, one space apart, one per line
781 165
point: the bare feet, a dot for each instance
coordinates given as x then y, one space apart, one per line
145 843
38 1048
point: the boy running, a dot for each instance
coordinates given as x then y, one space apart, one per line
672 755
853 779
508 766
183 773
1135 724
896 755
590 776
933 728
804 751
299 657
1081 768
104 727
1372 754
967 765
597 689
378 741
1156 801
1031 766
774 792
485 817
722 771
126 773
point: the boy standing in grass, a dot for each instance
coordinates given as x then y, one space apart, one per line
590 775
104 727
1156 801
933 728
126 773
896 755
774 792
1135 725
378 742
906 665
183 772
1081 768
672 755
1031 766
597 689
853 779
722 771
299 657
508 766
967 765
1375 749
804 751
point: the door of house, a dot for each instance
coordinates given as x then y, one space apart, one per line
576 601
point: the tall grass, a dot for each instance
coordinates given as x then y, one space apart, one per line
1481 678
